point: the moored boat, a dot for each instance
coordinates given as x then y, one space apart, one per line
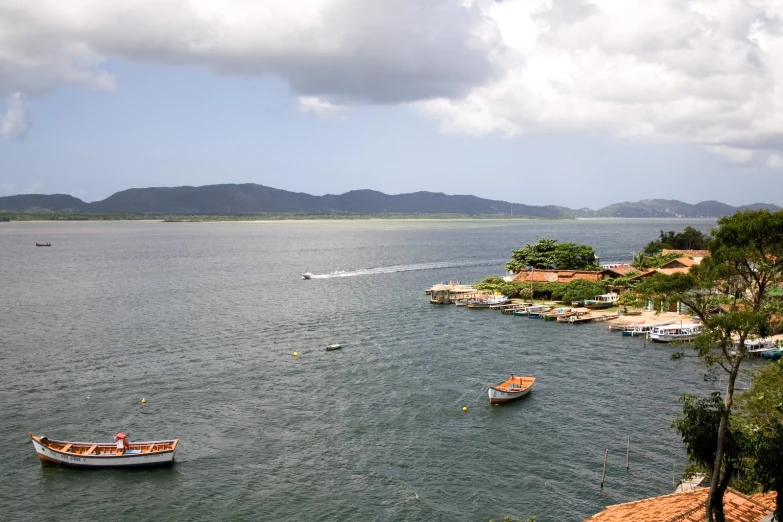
642 329
487 301
118 454
674 333
557 314
601 302
43 244
514 388
757 346
773 354
581 317
332 347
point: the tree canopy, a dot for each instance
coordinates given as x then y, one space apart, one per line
689 239
549 254
745 261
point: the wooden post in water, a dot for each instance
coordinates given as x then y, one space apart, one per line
674 484
603 476
628 454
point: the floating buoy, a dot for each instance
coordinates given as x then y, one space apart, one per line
296 354
464 409
143 400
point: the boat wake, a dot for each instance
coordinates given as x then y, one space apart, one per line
408 268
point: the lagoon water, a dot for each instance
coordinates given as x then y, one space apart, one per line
201 319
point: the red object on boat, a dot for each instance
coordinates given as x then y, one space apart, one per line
124 438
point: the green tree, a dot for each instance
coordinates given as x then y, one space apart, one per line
761 407
745 261
699 427
580 289
549 254
689 239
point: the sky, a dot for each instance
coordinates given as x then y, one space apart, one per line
580 103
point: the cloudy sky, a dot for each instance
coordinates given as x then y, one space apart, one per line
569 102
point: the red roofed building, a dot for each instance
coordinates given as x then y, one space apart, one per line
689 507
556 276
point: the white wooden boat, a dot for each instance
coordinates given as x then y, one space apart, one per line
757 346
674 333
120 454
514 388
307 275
642 329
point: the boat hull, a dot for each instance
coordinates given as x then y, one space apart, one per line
671 338
599 306
497 396
127 460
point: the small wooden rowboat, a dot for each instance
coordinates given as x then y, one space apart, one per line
514 388
105 454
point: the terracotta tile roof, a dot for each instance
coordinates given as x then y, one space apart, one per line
646 273
687 253
556 276
670 271
620 270
680 262
688 507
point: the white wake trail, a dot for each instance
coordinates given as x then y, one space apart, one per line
407 268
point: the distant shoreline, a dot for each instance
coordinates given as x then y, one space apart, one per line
200 218
287 218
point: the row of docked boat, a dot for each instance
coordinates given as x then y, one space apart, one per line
662 332
484 301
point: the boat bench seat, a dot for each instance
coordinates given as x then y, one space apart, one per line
67 447
92 448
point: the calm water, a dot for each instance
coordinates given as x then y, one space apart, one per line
202 319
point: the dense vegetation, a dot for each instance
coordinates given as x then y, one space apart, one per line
745 262
689 239
549 254
576 290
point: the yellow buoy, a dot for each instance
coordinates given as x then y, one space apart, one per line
464 409
296 354
143 401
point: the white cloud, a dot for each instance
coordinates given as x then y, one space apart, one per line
345 50
14 121
8 189
319 107
708 72
775 161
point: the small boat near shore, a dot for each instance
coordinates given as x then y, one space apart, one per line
601 302
675 333
307 275
581 317
486 302
642 329
557 314
43 244
514 388
118 454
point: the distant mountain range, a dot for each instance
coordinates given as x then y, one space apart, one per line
257 199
